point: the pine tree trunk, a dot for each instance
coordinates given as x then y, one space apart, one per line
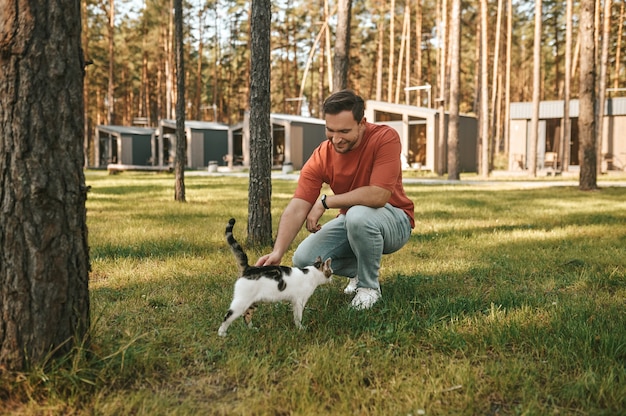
507 76
455 73
111 85
484 93
44 257
602 82
260 188
379 56
531 158
418 40
342 46
441 137
587 111
618 48
566 136
181 139
392 37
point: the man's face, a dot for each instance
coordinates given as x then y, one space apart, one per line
343 131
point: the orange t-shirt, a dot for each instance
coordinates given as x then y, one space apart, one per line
376 161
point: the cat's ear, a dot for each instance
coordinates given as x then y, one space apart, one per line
318 260
327 262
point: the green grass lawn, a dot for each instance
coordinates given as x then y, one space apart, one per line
506 300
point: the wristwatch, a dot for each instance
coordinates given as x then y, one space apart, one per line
324 202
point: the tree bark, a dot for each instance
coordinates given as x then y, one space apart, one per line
604 63
534 122
507 81
418 56
181 139
342 46
455 73
44 256
586 118
566 136
441 137
379 55
260 187
484 92
199 64
392 38
111 84
618 48
403 37
495 142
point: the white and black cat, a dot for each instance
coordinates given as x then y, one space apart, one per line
271 284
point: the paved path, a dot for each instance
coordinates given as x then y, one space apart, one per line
508 182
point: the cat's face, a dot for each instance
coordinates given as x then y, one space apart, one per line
324 266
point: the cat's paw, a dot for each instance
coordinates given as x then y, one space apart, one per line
221 332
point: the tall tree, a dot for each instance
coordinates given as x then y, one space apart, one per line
618 48
587 112
495 143
455 73
418 40
534 122
380 53
111 88
260 187
392 38
602 81
484 93
169 56
44 257
198 93
442 34
403 37
566 135
507 76
342 46
181 139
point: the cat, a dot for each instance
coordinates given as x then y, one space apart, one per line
271 284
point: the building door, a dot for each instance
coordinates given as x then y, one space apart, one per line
417 143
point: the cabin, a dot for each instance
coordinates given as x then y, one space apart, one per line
206 142
550 148
293 140
125 145
418 128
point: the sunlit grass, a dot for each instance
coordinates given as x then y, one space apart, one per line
506 300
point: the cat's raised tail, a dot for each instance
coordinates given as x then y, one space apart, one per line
235 247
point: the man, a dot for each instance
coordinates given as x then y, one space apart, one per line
361 164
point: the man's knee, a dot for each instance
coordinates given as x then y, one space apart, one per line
359 216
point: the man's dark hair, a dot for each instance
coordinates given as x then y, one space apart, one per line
345 100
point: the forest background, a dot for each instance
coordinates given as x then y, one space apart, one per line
395 45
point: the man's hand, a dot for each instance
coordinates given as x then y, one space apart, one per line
290 224
271 259
312 219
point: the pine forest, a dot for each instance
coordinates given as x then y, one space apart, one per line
397 53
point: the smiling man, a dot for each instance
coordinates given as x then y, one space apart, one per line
361 163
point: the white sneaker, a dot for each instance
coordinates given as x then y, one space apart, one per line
351 288
365 298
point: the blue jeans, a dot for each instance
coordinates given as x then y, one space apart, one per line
357 241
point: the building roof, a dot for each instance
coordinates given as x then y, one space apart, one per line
296 119
412 110
554 109
399 108
196 125
143 131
